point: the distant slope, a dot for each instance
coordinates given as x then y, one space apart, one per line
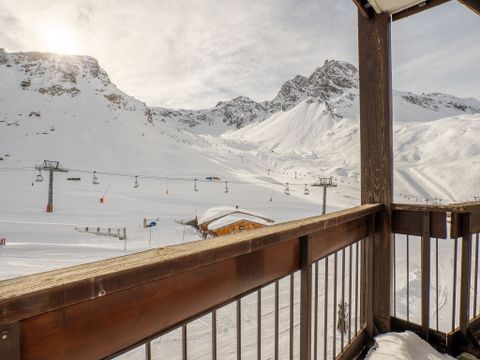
439 157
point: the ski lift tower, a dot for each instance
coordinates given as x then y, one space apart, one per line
51 167
325 183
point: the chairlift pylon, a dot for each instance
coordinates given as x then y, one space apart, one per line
136 184
306 192
95 179
287 190
39 177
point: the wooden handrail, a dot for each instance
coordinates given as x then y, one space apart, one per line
470 206
133 297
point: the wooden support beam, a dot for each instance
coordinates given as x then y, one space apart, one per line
305 298
465 274
418 8
352 350
473 5
362 9
425 255
376 150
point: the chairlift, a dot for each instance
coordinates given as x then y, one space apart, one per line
95 179
195 185
287 190
39 177
306 192
226 187
136 184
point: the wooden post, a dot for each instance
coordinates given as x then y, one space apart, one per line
376 151
425 264
305 299
465 274
369 277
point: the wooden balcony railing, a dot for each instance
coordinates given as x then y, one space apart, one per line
105 308
426 242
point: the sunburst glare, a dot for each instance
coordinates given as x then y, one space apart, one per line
59 39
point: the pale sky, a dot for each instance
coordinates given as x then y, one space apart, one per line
194 53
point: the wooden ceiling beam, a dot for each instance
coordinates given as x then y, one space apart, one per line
428 4
473 5
362 8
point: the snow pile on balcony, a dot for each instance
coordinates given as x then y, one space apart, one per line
404 346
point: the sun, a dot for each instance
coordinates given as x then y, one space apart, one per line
59 39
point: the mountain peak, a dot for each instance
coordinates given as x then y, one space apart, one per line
236 100
333 78
41 68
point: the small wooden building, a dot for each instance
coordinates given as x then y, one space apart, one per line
223 220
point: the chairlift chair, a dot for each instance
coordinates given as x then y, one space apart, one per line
287 190
136 184
306 192
39 177
195 185
95 179
226 187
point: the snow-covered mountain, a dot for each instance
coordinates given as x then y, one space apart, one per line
66 108
52 102
335 84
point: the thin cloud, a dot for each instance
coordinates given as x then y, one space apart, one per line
192 54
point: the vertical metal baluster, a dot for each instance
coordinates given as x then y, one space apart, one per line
454 300
408 278
259 324
343 299
148 350
436 276
325 312
292 287
239 329
357 269
214 334
334 345
184 342
350 294
394 277
315 319
475 284
276 320
363 283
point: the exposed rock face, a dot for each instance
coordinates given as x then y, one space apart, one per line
331 80
58 90
59 72
65 75
335 83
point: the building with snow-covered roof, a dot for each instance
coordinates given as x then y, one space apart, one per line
223 220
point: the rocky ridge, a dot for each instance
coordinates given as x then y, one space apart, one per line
335 84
